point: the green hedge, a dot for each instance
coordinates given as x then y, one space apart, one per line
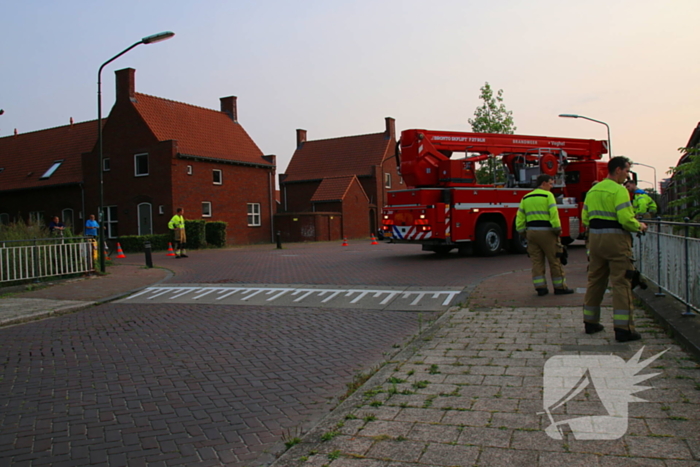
199 234
195 231
134 243
216 234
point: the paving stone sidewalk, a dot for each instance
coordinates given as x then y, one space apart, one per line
472 395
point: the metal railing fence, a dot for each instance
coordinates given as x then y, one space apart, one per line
669 256
45 257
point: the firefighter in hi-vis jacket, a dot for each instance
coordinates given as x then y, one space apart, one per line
609 216
538 220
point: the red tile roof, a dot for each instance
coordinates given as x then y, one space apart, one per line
24 158
198 131
337 157
333 189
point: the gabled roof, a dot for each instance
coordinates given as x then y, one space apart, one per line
198 131
25 157
337 157
333 189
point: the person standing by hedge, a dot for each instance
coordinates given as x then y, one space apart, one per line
177 225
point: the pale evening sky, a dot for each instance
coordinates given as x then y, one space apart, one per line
337 68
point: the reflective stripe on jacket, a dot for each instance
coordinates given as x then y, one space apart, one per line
609 201
538 205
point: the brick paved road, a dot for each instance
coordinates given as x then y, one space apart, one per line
133 385
328 263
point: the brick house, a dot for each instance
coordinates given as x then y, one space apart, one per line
676 187
346 177
161 154
158 155
41 174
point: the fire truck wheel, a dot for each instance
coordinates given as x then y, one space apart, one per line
518 244
489 238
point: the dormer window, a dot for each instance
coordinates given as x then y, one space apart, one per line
51 170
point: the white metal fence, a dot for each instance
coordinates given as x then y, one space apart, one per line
668 256
33 259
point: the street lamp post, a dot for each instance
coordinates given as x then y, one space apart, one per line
656 187
597 121
100 215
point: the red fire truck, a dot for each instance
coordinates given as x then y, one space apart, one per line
444 207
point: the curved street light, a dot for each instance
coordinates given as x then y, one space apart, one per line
161 36
656 188
597 121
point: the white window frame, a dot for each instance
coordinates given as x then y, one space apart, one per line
221 176
254 215
106 165
387 180
110 223
161 209
189 170
65 213
36 217
206 208
136 165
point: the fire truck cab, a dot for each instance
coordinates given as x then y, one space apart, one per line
445 208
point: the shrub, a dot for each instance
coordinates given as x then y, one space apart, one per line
216 234
195 232
134 243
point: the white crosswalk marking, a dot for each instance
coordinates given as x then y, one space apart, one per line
348 297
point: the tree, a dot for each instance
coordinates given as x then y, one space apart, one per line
491 117
686 176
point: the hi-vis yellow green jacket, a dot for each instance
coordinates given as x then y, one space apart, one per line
538 210
608 208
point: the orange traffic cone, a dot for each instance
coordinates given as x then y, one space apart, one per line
170 250
345 242
107 255
120 253
374 240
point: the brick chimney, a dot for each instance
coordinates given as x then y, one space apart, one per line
390 131
230 107
301 138
126 86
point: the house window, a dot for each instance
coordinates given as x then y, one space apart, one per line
51 170
387 180
36 217
218 177
110 221
253 214
189 170
67 217
206 208
140 165
161 209
4 218
106 166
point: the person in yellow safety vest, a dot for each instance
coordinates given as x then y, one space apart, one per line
538 220
643 204
608 214
177 225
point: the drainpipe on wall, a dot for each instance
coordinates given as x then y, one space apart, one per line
272 215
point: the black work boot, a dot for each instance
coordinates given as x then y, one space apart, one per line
541 292
592 328
563 291
623 335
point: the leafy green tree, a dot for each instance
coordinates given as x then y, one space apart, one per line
686 176
491 117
